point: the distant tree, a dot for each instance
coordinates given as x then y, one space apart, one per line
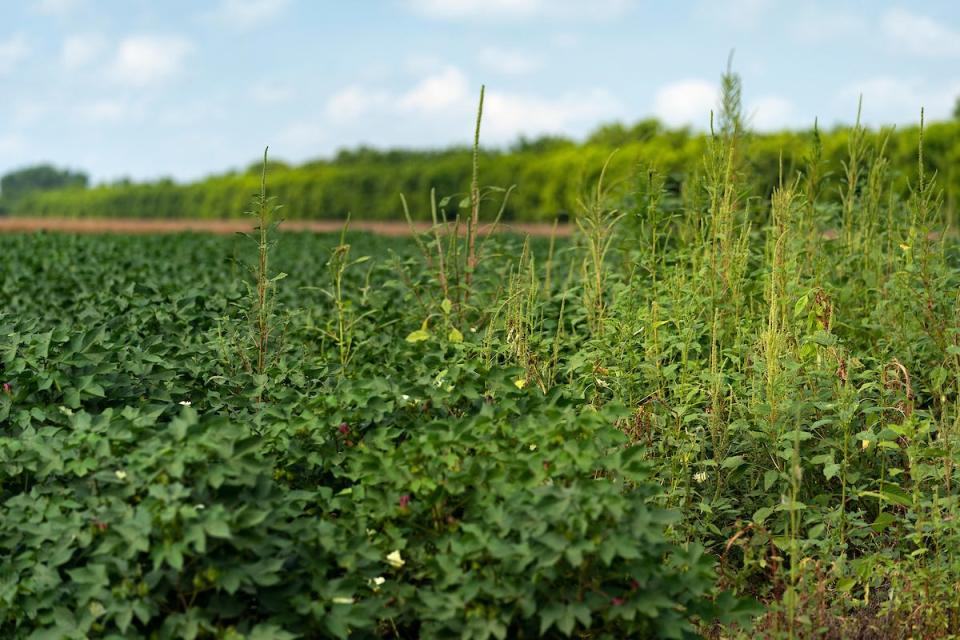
615 134
44 177
272 165
539 144
956 109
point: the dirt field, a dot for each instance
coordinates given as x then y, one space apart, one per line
134 226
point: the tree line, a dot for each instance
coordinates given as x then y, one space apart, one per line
551 175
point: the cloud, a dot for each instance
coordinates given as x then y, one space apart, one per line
889 100
143 60
771 113
518 9
355 101
507 61
444 102
687 102
13 50
507 115
438 92
920 35
246 14
80 50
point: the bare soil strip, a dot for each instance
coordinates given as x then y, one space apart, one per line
141 226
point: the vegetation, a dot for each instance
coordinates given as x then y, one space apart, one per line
550 175
701 401
17 185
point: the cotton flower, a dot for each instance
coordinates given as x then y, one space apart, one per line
394 559
375 583
700 476
185 403
121 474
342 600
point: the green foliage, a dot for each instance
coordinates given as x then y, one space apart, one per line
21 183
550 174
421 492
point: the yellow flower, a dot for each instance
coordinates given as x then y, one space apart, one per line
520 383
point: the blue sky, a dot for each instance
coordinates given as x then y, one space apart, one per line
186 88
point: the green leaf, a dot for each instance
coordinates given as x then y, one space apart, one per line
418 336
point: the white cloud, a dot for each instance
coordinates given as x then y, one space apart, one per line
771 113
438 92
80 50
519 9
920 34
687 102
507 61
13 50
888 99
144 60
246 14
351 103
507 115
443 103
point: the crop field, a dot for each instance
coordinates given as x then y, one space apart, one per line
727 411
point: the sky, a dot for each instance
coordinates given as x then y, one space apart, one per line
186 88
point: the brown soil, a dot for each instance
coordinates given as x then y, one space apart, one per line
135 226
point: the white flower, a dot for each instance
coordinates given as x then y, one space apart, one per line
342 600
186 403
121 474
200 506
394 559
376 582
700 477
533 447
